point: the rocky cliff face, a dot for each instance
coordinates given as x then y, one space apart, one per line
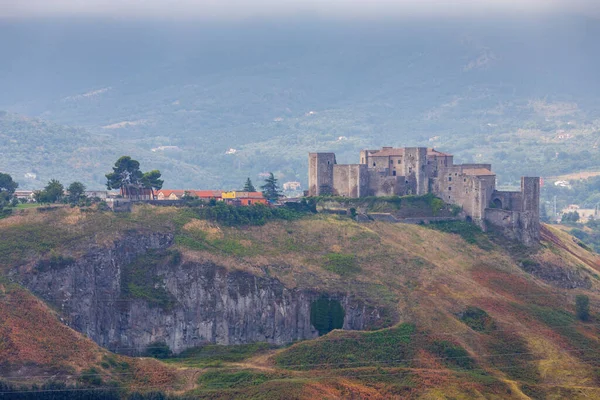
199 302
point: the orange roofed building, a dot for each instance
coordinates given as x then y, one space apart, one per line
234 197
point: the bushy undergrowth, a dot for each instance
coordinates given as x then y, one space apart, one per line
139 280
326 315
452 355
341 264
218 379
477 319
470 232
387 347
158 350
258 214
213 355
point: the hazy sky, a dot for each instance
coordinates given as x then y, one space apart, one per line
256 8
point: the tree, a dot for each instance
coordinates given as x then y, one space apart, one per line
151 180
52 193
7 189
270 189
249 187
126 176
582 307
76 192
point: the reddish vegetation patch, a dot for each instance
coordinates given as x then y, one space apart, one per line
152 374
515 287
31 333
549 236
426 360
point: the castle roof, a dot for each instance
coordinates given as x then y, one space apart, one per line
478 172
394 152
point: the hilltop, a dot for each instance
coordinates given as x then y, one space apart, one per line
441 310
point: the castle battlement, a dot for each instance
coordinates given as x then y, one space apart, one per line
420 170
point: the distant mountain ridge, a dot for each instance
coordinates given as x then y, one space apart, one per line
276 90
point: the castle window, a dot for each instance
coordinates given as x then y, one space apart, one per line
464 179
394 173
456 174
374 164
409 170
449 179
399 161
327 162
391 161
449 188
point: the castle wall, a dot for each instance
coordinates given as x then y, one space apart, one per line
512 201
381 184
320 173
350 180
523 226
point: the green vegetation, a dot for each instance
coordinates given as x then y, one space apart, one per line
270 189
52 193
91 377
341 264
76 192
214 355
452 354
478 320
582 307
565 324
218 379
467 230
326 315
128 177
7 189
248 186
257 214
510 353
158 350
139 280
342 349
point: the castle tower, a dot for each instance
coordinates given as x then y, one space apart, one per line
320 173
530 192
415 170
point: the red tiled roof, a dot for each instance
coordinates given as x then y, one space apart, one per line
478 172
434 152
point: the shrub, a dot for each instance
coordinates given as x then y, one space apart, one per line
158 350
91 377
452 354
582 307
341 264
326 315
477 319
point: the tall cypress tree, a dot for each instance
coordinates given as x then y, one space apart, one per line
249 187
270 189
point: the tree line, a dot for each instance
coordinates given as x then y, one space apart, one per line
126 176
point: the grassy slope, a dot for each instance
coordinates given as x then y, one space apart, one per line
532 344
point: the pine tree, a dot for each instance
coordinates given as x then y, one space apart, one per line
249 187
270 189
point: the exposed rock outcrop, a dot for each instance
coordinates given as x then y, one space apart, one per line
202 302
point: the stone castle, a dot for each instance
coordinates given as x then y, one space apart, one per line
418 171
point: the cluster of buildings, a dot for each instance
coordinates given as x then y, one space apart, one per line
419 170
232 197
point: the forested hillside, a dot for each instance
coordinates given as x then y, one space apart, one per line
518 93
